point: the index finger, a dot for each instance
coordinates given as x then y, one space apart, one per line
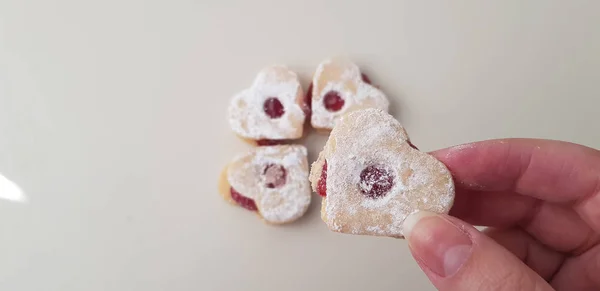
552 171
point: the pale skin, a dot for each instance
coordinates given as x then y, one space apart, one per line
541 202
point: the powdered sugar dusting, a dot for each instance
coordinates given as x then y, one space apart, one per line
345 78
279 204
372 137
246 111
451 152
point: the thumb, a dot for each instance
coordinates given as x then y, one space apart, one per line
456 256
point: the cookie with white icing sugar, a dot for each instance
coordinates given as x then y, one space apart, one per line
271 110
371 177
272 180
338 87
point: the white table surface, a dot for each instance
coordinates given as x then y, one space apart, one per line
113 125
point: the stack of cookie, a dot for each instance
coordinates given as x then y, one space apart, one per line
369 174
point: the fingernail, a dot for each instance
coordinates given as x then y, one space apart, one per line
437 243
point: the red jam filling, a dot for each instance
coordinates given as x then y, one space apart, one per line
333 101
307 106
275 176
269 142
242 200
365 78
412 145
322 184
375 181
273 108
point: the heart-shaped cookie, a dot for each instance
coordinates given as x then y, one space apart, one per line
338 87
272 109
372 178
272 180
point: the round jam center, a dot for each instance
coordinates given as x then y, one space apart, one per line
242 200
273 108
275 176
375 181
333 101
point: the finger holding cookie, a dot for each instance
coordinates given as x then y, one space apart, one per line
541 200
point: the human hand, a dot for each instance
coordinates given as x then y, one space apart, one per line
541 200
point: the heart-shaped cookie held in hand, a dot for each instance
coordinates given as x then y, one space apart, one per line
338 87
272 180
372 178
272 109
